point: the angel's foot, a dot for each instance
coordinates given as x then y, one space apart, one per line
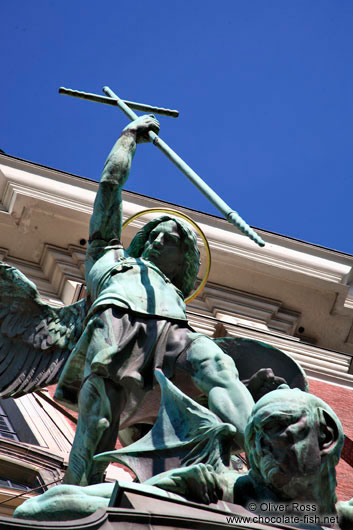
97 473
74 479
264 381
78 468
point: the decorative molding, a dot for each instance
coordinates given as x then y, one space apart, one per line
284 259
200 324
240 307
280 254
348 303
317 362
35 274
64 269
292 277
24 463
57 275
18 177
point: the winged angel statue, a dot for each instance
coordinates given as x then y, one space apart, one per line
102 351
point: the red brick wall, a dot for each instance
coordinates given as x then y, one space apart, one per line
341 401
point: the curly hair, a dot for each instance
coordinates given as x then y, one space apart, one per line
186 278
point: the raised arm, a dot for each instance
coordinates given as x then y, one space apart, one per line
106 219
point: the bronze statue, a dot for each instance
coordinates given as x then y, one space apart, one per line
133 321
293 443
137 321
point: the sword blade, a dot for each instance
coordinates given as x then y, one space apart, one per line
231 215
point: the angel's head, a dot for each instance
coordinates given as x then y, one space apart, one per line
171 245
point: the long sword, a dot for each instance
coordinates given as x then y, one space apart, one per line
231 215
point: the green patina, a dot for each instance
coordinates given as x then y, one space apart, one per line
132 323
293 443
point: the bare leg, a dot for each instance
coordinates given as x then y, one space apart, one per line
100 404
116 396
216 375
97 430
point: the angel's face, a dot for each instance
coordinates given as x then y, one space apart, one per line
165 248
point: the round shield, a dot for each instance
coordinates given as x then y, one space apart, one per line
251 355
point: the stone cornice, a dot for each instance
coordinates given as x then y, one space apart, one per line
310 262
285 286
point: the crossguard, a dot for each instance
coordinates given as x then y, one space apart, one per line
112 101
127 107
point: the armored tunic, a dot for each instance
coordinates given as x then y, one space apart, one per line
114 279
136 323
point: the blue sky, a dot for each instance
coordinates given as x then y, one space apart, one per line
264 90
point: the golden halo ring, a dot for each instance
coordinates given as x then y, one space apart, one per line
194 225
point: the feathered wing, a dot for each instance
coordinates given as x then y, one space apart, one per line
35 338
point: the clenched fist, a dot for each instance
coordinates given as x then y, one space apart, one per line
141 127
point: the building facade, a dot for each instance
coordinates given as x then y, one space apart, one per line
290 294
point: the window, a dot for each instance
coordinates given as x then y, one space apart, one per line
6 428
13 425
5 483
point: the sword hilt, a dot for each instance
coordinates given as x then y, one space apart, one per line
112 101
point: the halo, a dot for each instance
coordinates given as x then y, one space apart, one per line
194 225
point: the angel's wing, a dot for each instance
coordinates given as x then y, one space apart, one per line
35 338
185 433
